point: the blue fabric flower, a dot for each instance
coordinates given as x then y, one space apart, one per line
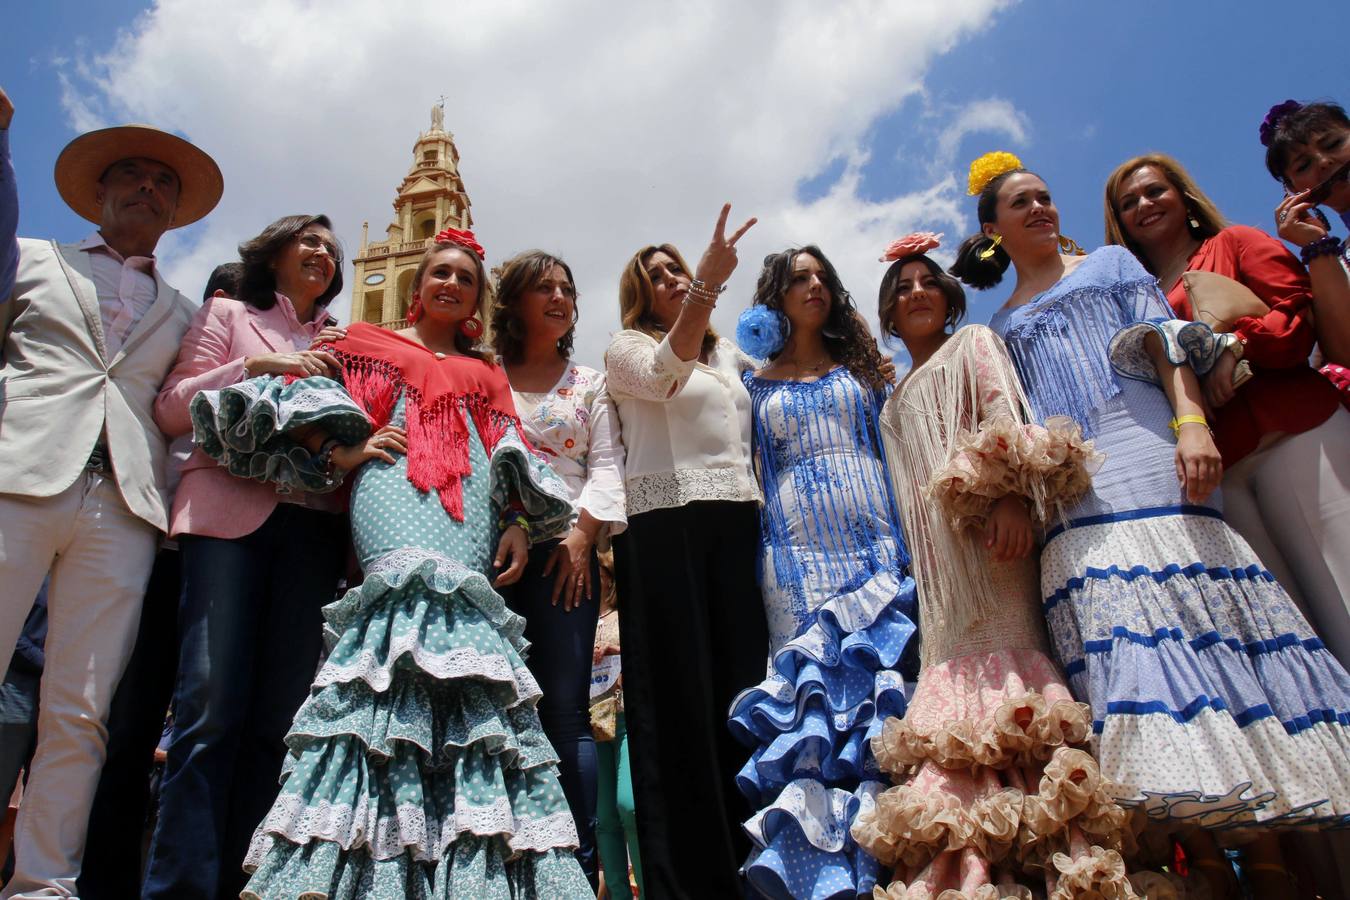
760 331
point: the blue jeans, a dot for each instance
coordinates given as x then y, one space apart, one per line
249 635
561 644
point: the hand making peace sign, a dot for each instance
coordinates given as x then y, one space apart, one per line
719 260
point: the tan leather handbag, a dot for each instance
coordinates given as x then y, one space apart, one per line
1218 301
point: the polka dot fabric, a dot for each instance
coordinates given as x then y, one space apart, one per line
417 767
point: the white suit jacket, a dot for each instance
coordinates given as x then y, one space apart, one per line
59 390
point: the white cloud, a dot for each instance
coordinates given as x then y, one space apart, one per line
588 128
989 115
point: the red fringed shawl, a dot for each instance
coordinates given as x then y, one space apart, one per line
378 365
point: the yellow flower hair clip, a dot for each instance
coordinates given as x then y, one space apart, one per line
988 167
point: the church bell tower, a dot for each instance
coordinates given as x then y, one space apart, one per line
431 198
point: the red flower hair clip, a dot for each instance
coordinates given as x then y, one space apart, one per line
466 238
912 245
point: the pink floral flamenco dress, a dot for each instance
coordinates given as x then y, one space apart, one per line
995 794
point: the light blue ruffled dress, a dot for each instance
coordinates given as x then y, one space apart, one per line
1213 701
841 606
417 767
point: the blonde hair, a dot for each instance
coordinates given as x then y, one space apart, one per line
1209 221
636 294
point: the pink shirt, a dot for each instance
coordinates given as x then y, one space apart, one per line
126 289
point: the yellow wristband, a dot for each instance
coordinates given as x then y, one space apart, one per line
1176 423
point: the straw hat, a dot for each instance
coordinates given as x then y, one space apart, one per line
85 159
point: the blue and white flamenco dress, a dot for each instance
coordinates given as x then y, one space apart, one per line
1213 701
841 606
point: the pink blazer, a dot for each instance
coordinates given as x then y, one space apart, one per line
210 501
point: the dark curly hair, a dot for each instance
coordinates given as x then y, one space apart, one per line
1298 127
982 274
258 282
845 333
517 275
889 295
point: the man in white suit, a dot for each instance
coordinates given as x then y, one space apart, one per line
89 331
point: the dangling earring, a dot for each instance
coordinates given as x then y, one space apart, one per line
471 328
1069 245
987 252
1191 221
414 309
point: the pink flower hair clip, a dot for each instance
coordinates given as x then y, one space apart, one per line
912 245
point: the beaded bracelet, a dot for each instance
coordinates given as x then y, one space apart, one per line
700 291
1323 246
515 517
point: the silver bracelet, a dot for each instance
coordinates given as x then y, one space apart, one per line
691 297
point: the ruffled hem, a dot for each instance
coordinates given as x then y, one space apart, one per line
898 890
803 847
478 868
1098 874
244 427
419 753
811 720
830 690
1049 465
1212 699
909 826
440 615
1023 730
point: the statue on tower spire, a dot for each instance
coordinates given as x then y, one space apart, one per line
438 115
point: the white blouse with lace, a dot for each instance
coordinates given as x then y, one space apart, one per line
574 425
686 424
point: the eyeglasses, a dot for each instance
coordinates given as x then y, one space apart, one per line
311 241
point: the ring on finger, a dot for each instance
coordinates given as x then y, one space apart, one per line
1284 214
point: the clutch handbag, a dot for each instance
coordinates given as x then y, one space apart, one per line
1218 301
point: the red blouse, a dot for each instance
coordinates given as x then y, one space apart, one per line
1286 395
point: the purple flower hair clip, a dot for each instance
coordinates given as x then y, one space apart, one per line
1272 119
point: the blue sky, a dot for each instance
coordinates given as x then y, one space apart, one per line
1087 84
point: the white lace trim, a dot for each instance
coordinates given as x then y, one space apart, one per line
666 490
462 662
409 830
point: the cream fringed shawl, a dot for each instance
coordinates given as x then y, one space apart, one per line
958 439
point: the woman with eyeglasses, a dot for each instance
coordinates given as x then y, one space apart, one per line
257 567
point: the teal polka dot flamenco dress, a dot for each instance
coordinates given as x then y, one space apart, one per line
417 766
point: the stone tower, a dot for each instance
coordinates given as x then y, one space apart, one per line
430 198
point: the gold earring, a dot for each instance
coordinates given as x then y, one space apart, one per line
987 252
1069 245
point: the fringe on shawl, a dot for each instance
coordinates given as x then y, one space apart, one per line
968 384
438 433
1061 353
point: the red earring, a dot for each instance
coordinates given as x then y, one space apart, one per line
471 328
415 309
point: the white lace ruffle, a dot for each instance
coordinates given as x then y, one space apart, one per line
462 662
409 830
667 490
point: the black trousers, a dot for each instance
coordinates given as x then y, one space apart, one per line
694 635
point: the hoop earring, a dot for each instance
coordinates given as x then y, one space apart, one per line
1069 245
471 328
414 310
988 252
